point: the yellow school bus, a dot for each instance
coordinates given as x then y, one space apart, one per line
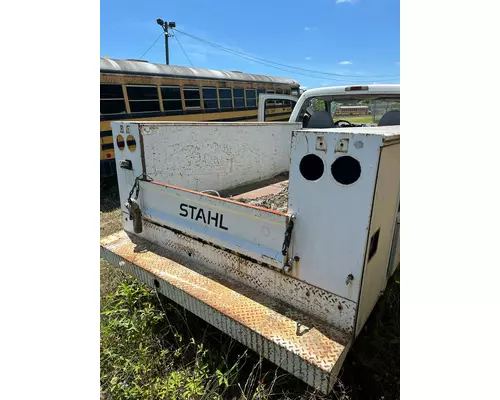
139 90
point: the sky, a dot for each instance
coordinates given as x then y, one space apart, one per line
348 41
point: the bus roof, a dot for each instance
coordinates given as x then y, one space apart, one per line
140 67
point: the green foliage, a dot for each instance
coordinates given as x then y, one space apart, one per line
151 349
318 105
395 106
137 364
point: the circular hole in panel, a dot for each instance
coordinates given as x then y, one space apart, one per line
311 167
346 170
131 143
120 142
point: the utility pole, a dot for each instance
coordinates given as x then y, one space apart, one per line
166 26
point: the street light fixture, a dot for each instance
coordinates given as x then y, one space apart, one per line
166 26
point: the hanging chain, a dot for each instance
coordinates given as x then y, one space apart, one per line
137 187
288 236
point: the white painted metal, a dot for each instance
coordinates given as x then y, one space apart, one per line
215 155
383 218
394 260
334 276
126 178
332 220
264 97
254 232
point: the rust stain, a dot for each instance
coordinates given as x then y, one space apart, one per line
264 191
315 342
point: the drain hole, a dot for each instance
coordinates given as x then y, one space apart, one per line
346 170
311 167
157 284
189 254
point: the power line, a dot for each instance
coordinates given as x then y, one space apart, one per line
264 63
267 62
182 48
150 47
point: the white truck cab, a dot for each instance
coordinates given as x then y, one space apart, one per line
340 106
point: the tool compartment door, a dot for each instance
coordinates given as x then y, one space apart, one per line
252 231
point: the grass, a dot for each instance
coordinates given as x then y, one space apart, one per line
153 349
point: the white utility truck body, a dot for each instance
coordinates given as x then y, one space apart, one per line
294 286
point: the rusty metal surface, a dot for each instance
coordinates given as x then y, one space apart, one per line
327 307
293 340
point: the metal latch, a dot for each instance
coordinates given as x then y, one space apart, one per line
135 214
125 164
132 205
288 236
286 243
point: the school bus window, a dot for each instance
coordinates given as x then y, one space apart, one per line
239 98
192 96
210 98
143 98
250 95
260 91
226 98
279 102
112 100
171 96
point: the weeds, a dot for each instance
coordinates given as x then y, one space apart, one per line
144 356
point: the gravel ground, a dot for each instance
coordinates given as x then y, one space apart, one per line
278 201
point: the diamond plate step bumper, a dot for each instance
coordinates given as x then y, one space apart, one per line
294 341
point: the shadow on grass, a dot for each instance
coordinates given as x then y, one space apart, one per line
110 199
371 369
